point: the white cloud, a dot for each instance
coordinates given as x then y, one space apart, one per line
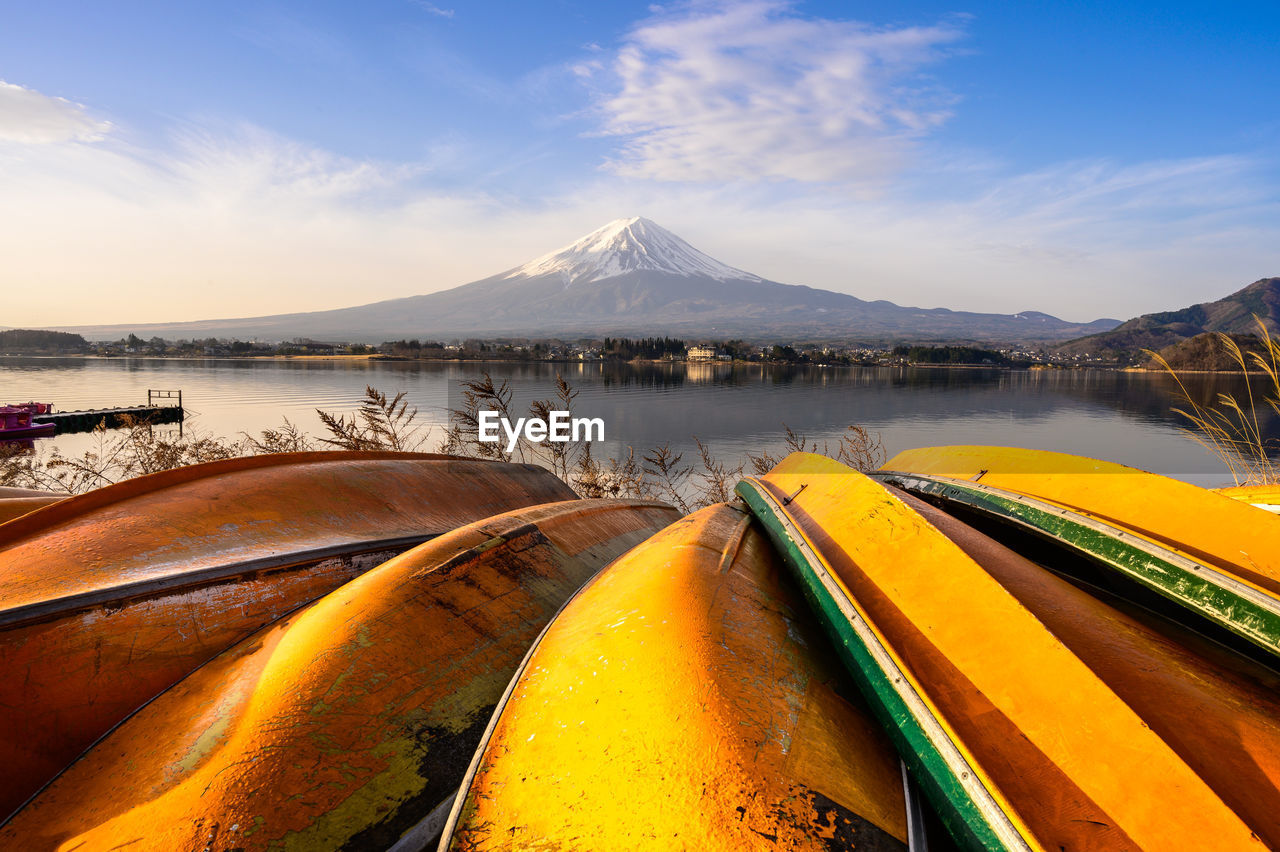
748 91
221 223
28 117
436 10
241 222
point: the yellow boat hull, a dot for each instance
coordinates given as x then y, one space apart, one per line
1019 742
1214 559
1266 497
1168 680
1204 524
683 700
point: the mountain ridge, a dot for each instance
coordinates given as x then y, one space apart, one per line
630 276
1232 314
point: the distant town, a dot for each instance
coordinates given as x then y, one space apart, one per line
656 349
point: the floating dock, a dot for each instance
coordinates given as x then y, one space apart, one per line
114 418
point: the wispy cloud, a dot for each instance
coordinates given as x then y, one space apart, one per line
753 90
435 10
28 117
240 221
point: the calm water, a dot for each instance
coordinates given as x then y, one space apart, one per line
1122 417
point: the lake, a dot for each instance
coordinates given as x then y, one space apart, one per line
734 408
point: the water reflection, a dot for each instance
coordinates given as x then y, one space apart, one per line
736 408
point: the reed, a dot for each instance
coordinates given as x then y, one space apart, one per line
1231 427
383 422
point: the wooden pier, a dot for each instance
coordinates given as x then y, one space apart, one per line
114 418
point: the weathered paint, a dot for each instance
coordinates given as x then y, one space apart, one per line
1220 714
343 724
15 502
1232 602
110 597
1068 763
1206 525
16 507
683 700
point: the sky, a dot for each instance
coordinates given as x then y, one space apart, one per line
166 161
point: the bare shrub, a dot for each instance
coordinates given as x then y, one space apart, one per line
620 478
716 479
286 438
379 424
462 437
860 449
665 474
136 449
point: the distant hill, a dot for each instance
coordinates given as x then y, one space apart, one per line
1207 352
28 341
1232 314
628 278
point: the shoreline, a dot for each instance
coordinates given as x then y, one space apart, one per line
634 361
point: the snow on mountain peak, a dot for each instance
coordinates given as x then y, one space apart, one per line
627 245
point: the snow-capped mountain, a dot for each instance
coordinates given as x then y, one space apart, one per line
626 245
631 277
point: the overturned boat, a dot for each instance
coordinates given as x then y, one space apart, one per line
350 723
15 502
684 699
1025 731
112 596
1160 542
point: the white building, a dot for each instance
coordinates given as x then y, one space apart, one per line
702 353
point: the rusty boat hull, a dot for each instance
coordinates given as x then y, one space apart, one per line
349 723
684 699
15 502
110 597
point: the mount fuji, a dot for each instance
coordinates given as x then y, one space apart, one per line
634 277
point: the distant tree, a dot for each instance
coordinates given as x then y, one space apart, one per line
784 354
652 348
950 355
38 341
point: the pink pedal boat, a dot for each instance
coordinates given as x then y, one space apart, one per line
15 421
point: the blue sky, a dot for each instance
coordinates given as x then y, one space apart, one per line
165 161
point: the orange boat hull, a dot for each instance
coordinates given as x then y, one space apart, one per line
113 596
347 723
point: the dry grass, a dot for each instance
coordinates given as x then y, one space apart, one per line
389 423
379 424
134 450
1231 428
